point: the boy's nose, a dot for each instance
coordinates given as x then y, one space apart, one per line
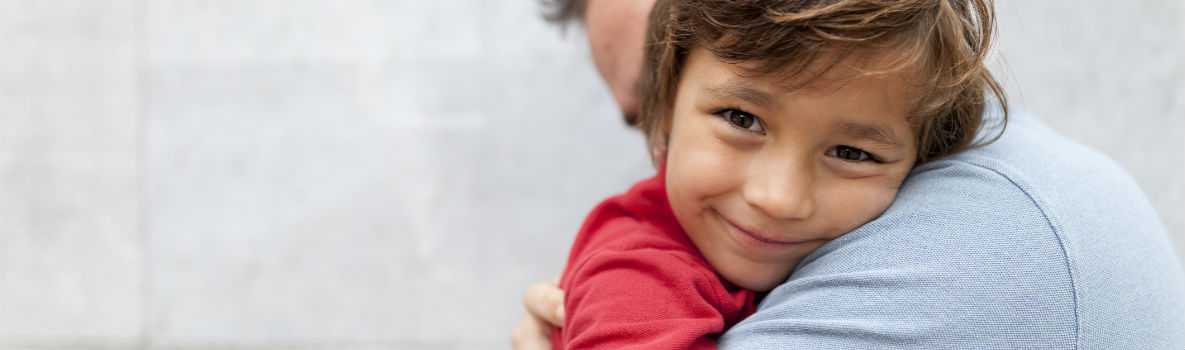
784 191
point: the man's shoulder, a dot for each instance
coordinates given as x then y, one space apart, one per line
963 258
991 199
1030 184
1116 248
1019 243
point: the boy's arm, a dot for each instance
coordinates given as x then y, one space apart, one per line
642 299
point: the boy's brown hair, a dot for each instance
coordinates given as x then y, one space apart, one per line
947 41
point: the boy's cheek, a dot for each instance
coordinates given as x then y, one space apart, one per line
852 204
704 165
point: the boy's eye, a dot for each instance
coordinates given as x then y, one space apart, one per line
743 120
850 154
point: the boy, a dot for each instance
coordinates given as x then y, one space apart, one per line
776 126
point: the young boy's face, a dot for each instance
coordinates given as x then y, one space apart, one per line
760 175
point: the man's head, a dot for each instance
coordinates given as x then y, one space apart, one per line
785 124
615 30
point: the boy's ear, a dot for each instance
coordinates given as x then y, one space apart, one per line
658 154
659 151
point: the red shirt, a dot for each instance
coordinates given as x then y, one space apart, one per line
634 280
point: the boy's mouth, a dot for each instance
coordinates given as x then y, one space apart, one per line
753 234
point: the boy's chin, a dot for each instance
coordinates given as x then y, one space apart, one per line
756 278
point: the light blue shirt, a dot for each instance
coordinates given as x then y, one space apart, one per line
1032 242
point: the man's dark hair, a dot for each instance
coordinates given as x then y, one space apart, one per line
563 11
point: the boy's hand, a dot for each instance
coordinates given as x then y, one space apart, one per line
544 302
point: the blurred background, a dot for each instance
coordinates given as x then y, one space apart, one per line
391 174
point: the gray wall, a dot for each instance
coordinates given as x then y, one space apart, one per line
390 174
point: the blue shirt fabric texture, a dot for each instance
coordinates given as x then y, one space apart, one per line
1031 242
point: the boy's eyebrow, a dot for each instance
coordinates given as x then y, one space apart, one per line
734 89
874 133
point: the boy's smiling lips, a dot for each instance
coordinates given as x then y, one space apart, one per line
755 235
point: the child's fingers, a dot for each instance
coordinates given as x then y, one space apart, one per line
545 301
531 334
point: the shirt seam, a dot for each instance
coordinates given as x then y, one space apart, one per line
1050 219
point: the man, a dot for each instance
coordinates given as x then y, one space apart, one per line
1031 242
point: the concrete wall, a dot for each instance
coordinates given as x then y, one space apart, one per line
390 174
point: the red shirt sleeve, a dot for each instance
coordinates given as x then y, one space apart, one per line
642 299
